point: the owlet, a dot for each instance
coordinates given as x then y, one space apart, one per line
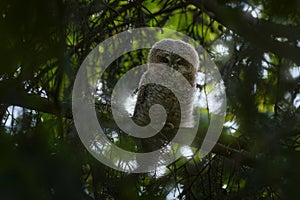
177 55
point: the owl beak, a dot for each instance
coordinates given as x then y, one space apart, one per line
175 67
173 62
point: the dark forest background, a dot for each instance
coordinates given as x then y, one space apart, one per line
256 46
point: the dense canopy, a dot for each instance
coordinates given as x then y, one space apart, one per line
255 45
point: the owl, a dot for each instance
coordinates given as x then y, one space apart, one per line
179 56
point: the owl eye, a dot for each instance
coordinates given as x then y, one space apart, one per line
164 60
180 62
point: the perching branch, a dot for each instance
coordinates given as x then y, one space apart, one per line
13 94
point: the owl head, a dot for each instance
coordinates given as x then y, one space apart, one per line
176 54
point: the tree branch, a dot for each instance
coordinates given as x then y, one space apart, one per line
13 94
258 32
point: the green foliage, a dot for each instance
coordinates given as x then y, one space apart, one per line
255 44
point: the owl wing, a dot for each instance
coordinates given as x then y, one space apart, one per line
142 94
140 115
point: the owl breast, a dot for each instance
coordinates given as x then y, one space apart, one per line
152 94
